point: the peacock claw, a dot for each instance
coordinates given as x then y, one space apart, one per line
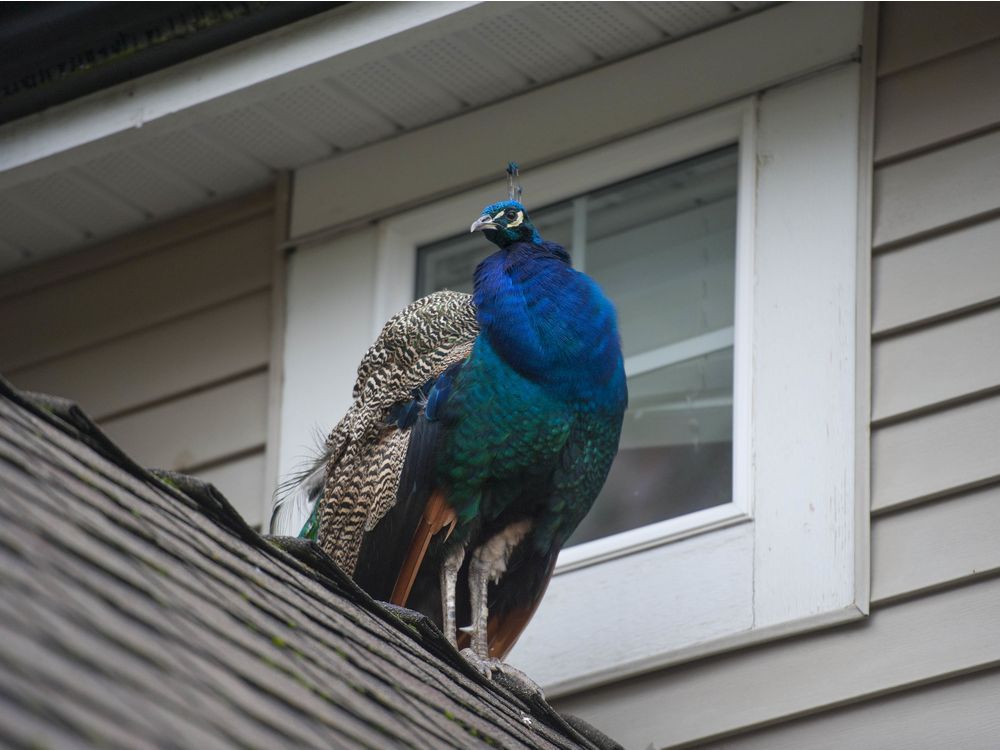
504 675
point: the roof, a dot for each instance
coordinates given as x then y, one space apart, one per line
138 609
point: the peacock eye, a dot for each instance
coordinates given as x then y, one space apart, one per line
511 214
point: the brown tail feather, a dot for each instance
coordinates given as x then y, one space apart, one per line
437 515
508 629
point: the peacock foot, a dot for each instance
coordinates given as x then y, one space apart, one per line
504 675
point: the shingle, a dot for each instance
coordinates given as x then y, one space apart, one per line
137 609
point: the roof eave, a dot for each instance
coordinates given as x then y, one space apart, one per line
102 121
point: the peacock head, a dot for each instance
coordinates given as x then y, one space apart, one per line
505 223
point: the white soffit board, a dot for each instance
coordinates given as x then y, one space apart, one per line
233 69
545 124
225 123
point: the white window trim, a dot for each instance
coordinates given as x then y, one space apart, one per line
401 235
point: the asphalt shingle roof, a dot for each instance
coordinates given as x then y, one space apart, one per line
139 610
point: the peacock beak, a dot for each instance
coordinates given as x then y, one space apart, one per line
483 222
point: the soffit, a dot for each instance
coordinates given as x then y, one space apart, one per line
228 122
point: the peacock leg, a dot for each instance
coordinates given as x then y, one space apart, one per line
449 578
488 564
480 574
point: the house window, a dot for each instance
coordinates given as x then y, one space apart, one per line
662 245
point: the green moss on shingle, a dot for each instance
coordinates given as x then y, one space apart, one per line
470 730
155 567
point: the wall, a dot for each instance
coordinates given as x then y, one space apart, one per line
328 331
163 337
922 671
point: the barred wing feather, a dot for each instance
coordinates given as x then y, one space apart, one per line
365 452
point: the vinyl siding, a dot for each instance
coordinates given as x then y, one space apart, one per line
953 713
162 336
924 669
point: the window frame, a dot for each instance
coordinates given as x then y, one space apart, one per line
400 236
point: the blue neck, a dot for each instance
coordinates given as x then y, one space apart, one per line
504 238
551 324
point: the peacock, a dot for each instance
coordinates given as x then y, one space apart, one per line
482 429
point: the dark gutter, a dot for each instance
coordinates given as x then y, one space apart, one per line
51 53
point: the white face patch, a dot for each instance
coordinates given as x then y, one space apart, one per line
515 223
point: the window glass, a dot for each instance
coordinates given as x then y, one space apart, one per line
662 246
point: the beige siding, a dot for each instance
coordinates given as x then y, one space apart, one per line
936 356
240 480
180 355
932 104
908 284
900 647
164 337
936 544
922 670
914 33
937 189
957 713
146 290
932 454
198 428
936 288
932 365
